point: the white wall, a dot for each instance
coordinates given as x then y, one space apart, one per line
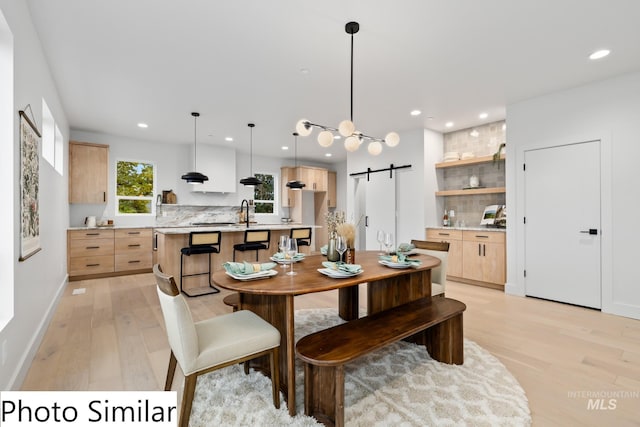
410 199
610 110
39 280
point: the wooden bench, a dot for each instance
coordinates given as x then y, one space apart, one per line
435 323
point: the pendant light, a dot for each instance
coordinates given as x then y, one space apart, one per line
250 180
346 128
195 177
296 184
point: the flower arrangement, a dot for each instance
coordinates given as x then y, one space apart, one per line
333 220
348 231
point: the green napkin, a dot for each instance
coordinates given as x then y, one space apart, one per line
400 259
280 256
324 249
246 267
347 268
405 247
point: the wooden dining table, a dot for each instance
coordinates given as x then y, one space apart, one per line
273 298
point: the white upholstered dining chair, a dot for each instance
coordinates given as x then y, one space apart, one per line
215 343
439 274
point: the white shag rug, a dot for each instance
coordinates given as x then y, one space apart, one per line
400 385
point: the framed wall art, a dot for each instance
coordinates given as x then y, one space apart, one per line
29 187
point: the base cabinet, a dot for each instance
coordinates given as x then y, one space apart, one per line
102 252
476 257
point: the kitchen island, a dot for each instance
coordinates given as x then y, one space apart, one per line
171 240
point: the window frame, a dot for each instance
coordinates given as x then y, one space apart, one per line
151 198
276 195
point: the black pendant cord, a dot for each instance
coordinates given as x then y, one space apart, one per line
351 113
195 140
251 125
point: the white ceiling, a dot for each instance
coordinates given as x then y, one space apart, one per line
120 62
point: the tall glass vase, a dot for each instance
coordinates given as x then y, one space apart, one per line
332 253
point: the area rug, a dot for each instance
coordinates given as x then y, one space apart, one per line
400 385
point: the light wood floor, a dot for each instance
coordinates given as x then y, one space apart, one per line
112 338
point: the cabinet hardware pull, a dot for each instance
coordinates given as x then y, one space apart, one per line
479 250
92 265
133 232
91 234
484 250
443 234
134 246
481 236
92 247
134 261
104 196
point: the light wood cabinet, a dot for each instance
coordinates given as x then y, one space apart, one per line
454 238
314 178
106 252
89 252
484 256
475 257
288 195
133 249
88 172
331 189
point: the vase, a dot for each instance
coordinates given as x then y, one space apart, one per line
349 256
332 253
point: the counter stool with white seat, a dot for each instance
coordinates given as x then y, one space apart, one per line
254 240
200 242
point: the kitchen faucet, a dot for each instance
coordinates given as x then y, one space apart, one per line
246 217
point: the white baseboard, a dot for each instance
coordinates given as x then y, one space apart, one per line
15 383
514 289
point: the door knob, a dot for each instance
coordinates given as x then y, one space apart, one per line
592 231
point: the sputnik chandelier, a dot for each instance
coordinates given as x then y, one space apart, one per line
346 128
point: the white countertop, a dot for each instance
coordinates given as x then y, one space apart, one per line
231 228
478 228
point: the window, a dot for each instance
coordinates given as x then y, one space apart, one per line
135 187
51 139
265 195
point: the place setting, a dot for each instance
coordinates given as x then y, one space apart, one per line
339 269
286 256
399 258
250 271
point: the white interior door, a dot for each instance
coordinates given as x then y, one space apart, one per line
562 227
380 207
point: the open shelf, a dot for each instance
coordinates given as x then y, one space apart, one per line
471 191
468 162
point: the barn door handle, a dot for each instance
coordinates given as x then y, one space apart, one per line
592 231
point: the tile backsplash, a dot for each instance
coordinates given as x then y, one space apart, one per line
482 141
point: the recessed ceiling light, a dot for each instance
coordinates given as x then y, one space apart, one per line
327 155
228 139
284 147
483 115
336 136
143 125
449 124
304 71
599 54
416 112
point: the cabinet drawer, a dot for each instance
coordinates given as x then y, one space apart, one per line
483 236
133 244
438 234
90 247
133 261
133 232
90 265
90 234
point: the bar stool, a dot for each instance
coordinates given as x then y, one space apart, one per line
254 240
302 235
200 242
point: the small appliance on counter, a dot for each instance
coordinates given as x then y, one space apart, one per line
286 220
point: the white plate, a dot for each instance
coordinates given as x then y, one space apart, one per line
299 257
253 276
395 264
336 274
